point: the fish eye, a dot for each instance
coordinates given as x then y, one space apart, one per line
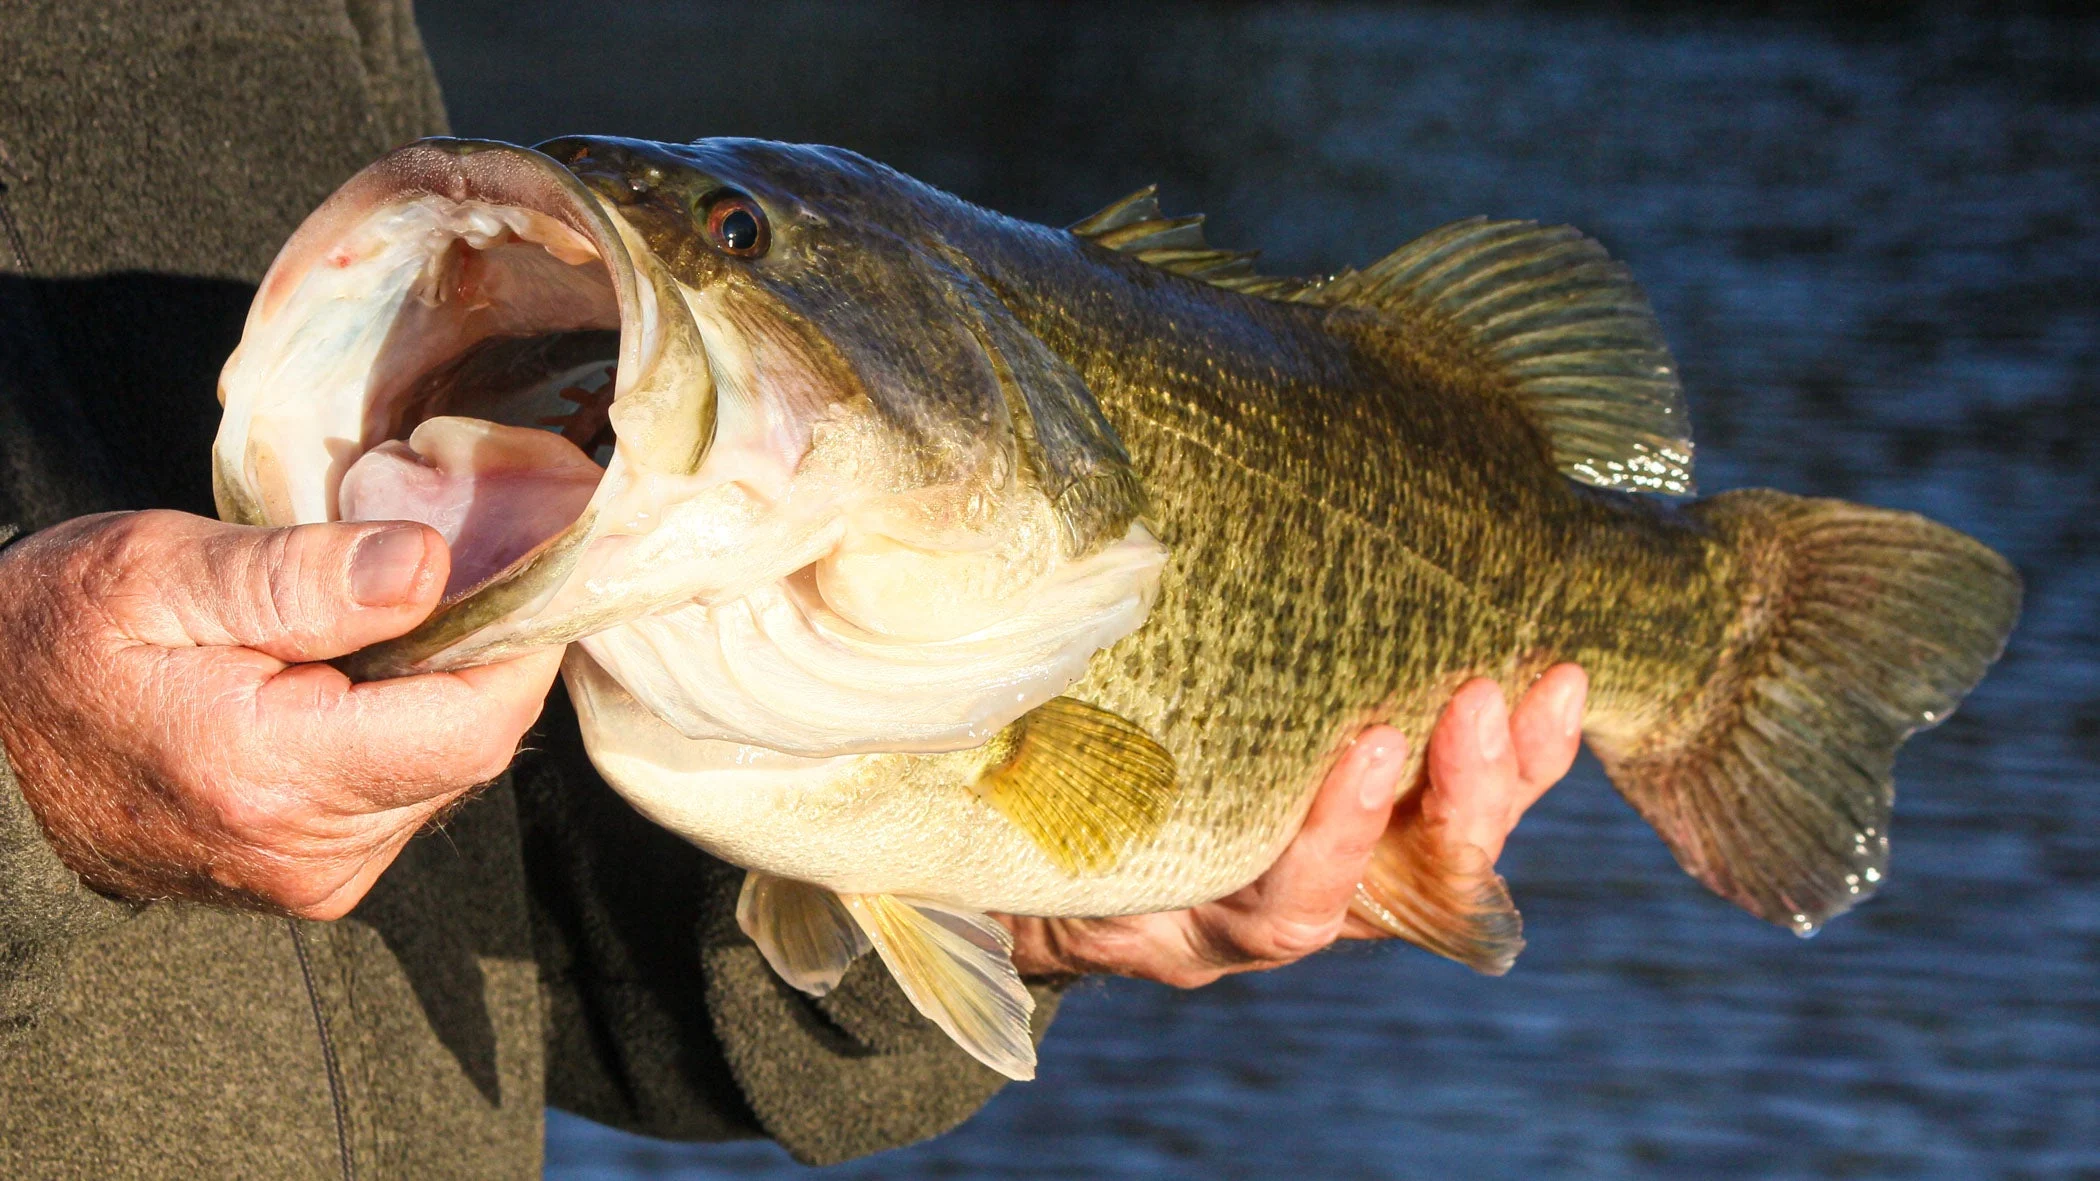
736 225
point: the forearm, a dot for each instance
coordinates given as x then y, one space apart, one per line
44 908
45 911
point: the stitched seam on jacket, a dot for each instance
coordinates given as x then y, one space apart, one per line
335 1069
7 216
14 234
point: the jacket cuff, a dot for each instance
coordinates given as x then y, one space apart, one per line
855 1072
45 911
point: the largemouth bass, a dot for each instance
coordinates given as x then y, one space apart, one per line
929 563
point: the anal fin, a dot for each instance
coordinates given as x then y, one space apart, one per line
804 931
957 967
1082 782
1440 896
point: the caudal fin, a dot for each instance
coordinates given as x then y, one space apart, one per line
1859 627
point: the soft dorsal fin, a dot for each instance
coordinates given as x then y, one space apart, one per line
1543 306
1564 322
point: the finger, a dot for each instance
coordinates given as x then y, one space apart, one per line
1296 907
1144 946
1473 780
1546 730
396 743
311 592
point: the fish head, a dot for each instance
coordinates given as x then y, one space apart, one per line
632 381
817 276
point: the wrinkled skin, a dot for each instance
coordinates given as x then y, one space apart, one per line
169 723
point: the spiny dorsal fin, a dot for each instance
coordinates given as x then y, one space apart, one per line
1142 205
1136 227
1083 783
1543 305
1568 326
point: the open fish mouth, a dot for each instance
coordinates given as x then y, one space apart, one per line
700 491
456 338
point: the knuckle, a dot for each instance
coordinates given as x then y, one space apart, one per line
115 568
116 557
494 750
279 573
258 818
240 807
135 543
329 909
1352 848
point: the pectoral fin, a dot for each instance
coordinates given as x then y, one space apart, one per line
957 968
1084 783
804 931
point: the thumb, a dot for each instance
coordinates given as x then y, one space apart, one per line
310 592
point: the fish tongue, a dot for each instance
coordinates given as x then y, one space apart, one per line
495 492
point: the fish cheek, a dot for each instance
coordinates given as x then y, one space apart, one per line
874 324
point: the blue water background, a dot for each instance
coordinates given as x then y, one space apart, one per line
1873 244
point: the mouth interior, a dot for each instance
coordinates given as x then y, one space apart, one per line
485 405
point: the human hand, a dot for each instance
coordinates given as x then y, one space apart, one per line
164 716
1485 768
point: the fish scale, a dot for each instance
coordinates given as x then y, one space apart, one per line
1134 536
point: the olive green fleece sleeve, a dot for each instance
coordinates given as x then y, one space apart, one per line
664 1019
44 912
852 1073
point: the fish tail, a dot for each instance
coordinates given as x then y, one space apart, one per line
1855 627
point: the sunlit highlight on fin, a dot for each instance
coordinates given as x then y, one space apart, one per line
957 968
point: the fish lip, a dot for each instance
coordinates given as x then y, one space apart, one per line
652 320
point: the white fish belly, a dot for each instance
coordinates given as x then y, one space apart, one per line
868 824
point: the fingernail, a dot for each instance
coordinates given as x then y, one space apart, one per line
384 567
1377 788
1491 723
1568 707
